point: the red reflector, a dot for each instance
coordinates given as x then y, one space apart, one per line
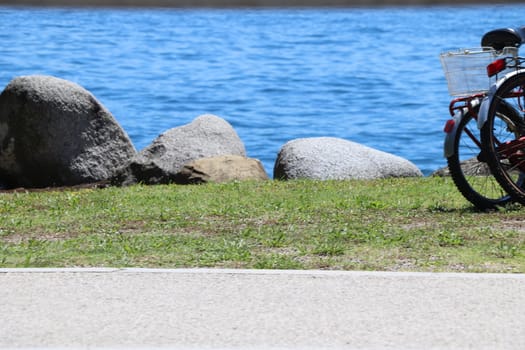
496 67
449 125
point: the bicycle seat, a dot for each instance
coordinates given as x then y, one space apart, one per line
504 37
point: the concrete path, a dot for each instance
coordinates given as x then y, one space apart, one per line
253 309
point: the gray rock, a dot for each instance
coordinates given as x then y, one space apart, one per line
141 170
328 158
470 167
207 136
222 169
53 133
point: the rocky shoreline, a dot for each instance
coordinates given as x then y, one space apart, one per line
54 133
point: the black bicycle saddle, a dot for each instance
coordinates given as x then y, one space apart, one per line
504 37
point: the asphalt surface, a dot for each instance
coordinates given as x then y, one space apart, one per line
259 309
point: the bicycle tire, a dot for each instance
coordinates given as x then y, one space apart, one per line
469 171
502 141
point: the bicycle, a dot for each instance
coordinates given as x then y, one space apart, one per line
463 146
504 143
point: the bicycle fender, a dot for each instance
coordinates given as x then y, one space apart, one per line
483 112
450 137
448 146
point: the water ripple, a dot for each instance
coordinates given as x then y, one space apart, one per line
367 75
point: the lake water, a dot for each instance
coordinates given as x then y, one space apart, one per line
369 75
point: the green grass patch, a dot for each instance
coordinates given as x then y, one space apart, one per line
390 225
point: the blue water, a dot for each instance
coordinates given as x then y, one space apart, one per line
368 75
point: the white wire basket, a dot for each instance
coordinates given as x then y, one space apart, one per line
466 69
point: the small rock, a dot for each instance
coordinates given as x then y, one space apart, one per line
222 169
470 167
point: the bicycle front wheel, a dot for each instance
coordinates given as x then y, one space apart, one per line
470 171
502 137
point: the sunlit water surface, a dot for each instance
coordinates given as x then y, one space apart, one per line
371 76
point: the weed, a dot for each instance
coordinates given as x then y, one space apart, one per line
449 239
505 250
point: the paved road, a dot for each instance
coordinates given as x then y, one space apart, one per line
252 309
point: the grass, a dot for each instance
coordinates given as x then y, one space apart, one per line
391 225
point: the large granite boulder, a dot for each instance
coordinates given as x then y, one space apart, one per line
55 133
221 169
206 136
328 158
